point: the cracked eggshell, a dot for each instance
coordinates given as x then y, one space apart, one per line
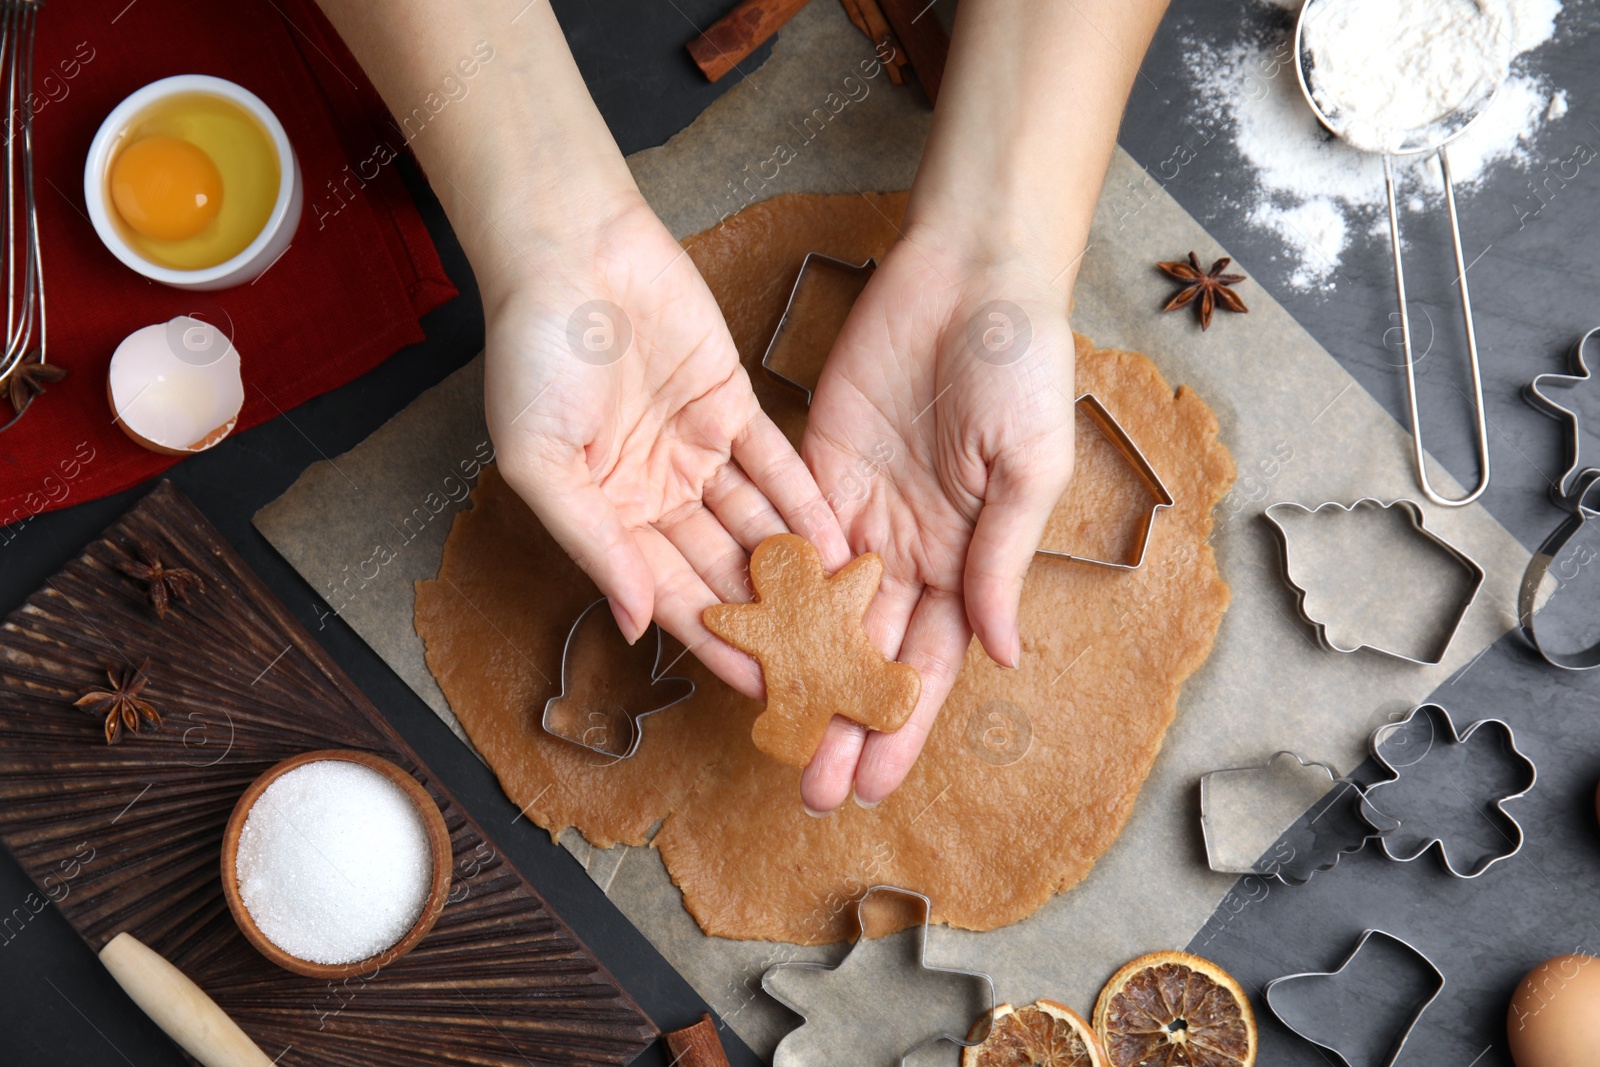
175 387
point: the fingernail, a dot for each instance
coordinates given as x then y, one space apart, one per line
869 805
630 630
1016 651
815 814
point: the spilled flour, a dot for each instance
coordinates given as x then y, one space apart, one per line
1317 193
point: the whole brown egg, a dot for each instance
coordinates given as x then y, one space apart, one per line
1553 1014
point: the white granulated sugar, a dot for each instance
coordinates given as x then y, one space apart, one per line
334 863
1303 176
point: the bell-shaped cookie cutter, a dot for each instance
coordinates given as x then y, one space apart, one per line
1292 870
964 1039
657 676
1585 505
1566 490
813 261
1438 716
1300 1024
1413 511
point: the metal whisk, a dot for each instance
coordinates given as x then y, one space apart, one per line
23 367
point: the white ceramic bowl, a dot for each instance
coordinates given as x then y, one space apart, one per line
259 254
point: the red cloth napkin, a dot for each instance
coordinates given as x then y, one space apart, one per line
349 291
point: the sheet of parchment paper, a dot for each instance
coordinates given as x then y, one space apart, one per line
363 527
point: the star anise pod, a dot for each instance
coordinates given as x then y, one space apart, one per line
166 584
120 704
29 380
1210 286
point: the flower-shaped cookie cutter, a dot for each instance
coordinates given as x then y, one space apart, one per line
1538 393
595 737
1553 562
1394 759
1332 827
783 1055
1352 1028
1412 510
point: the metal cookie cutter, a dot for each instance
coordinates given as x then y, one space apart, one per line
1407 743
1413 511
1538 393
1321 809
1098 414
1352 1011
1432 138
811 267
596 737
807 997
1585 504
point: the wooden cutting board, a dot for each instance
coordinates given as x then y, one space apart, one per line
127 836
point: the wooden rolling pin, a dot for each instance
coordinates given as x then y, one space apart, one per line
178 1006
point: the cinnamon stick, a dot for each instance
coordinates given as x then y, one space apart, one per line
876 27
696 1046
926 43
728 41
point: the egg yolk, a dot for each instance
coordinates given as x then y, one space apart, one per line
165 188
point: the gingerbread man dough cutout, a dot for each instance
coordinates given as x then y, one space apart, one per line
804 628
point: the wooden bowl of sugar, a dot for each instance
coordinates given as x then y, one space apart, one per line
335 863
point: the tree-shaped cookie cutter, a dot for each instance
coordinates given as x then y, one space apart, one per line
1585 504
1566 490
1293 869
1412 510
1440 718
1302 1024
657 676
963 1039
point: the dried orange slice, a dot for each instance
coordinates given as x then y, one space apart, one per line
1041 1034
1171 1009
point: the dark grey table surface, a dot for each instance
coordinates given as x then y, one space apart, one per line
1535 289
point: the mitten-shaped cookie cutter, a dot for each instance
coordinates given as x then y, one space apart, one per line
597 737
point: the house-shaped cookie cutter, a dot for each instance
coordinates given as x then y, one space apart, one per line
1413 511
814 261
1097 413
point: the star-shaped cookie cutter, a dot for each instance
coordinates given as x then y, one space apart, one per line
1567 489
964 1039
1300 1024
1438 716
1294 869
1413 511
657 676
1585 506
